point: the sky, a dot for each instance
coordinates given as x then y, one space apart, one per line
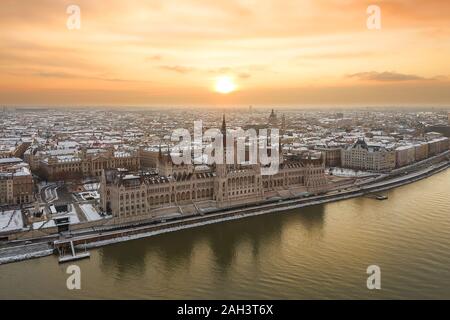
275 53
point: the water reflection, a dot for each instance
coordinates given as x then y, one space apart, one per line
320 252
121 258
176 249
312 219
171 251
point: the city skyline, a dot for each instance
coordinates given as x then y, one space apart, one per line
226 151
290 53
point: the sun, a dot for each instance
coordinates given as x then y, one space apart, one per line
225 85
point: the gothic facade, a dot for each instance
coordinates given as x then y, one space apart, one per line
83 164
133 195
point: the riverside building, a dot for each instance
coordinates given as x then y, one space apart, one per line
83 163
361 156
137 195
16 182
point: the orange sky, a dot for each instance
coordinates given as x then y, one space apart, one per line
279 52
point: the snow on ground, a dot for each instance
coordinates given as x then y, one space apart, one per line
43 224
90 212
406 177
42 185
91 186
89 195
26 256
344 172
73 215
11 220
50 193
73 218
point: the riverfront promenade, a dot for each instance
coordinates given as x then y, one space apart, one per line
33 248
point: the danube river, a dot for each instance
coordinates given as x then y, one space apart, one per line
319 252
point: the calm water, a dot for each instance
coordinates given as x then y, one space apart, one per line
318 252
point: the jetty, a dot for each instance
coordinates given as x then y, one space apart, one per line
376 196
67 251
73 244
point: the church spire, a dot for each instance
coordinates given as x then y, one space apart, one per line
224 135
224 125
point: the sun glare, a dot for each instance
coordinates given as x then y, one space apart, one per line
225 85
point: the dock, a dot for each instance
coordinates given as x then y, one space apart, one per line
72 255
66 244
377 196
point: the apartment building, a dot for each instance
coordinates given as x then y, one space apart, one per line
361 156
16 182
83 163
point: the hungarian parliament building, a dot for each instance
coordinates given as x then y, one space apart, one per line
134 195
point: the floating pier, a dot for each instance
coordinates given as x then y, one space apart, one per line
377 196
63 247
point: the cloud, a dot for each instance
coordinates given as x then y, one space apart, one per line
177 69
65 75
336 55
244 75
387 76
54 75
156 57
180 44
237 72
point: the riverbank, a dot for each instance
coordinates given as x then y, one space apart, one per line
98 238
318 252
254 210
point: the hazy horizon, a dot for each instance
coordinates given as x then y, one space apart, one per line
232 108
189 53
